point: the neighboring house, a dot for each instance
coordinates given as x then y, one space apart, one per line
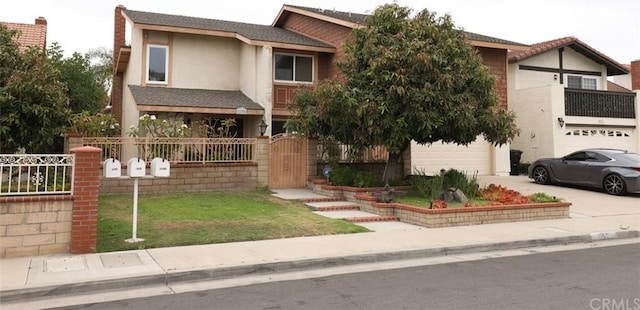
30 35
191 69
560 92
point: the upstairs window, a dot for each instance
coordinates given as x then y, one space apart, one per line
575 81
157 64
293 68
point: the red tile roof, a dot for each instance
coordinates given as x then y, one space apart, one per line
613 67
30 35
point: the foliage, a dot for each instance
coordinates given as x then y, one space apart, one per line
101 64
34 112
218 128
177 219
98 125
85 86
347 176
543 198
406 78
151 126
500 195
432 186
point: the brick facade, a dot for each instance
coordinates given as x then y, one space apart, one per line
635 75
118 77
496 61
324 31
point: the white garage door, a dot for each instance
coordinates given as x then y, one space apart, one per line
578 137
470 159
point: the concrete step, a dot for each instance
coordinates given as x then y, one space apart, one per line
376 218
332 205
320 199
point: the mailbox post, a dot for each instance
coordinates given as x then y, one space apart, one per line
136 168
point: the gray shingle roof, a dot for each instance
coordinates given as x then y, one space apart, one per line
483 38
346 16
194 98
250 31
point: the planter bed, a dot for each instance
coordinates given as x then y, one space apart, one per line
450 216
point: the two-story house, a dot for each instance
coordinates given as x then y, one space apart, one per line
560 92
190 69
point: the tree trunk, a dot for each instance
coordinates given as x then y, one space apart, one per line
393 170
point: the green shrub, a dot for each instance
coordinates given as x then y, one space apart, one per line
364 179
542 197
462 181
431 186
341 175
427 186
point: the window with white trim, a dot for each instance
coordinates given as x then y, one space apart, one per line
576 81
157 64
293 68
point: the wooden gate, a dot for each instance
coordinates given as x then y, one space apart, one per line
288 161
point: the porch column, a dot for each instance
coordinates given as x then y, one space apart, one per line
262 157
312 157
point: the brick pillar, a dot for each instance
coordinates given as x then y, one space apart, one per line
635 74
262 157
312 158
84 218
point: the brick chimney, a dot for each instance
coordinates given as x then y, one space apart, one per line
635 74
43 21
119 28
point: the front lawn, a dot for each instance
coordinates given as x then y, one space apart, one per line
209 217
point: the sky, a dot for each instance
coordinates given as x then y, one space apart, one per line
610 26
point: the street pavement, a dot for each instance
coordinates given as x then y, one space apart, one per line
594 216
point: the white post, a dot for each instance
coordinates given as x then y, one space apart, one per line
134 237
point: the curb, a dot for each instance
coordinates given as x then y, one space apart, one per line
170 278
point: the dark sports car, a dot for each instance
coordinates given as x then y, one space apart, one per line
615 171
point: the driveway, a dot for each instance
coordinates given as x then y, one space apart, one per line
585 202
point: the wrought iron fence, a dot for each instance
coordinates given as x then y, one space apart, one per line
177 150
36 174
595 103
334 151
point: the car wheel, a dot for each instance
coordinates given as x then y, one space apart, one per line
540 175
614 184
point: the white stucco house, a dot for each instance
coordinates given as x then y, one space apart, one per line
560 93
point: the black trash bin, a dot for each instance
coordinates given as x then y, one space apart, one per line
515 156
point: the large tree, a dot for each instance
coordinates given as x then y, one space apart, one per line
406 78
33 101
86 82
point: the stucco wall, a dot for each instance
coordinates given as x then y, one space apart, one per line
205 62
571 60
537 110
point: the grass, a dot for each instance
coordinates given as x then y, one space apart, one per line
210 217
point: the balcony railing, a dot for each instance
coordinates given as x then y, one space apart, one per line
596 103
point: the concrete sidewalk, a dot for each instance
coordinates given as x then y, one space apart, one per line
594 216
